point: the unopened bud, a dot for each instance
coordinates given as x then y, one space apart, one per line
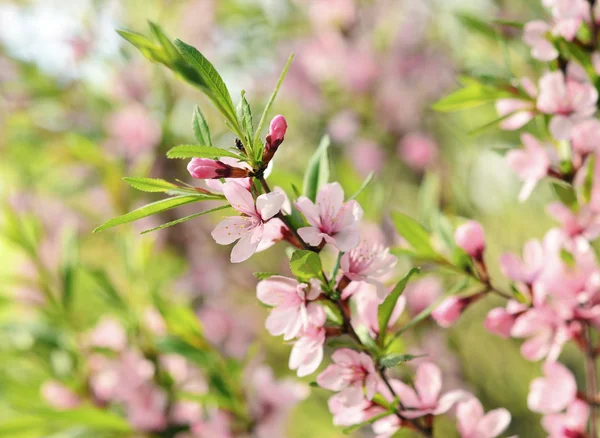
449 310
275 137
471 238
204 168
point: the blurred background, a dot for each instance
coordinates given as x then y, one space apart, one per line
80 109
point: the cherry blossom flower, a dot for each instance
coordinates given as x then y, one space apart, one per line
553 392
59 396
347 411
474 423
368 297
368 262
573 423
331 219
569 99
470 238
291 302
249 227
500 320
449 310
133 131
422 293
307 352
568 15
417 150
584 136
527 269
108 333
518 111
535 36
350 371
531 164
146 408
425 399
585 222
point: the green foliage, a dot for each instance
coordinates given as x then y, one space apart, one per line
68 267
200 151
391 360
415 234
200 128
306 264
186 218
317 172
474 93
153 185
385 310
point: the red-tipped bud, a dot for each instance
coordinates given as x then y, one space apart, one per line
449 310
204 168
471 238
275 137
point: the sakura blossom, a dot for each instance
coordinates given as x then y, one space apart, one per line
531 164
350 371
473 422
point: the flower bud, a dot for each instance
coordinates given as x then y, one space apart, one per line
449 310
204 168
471 238
275 137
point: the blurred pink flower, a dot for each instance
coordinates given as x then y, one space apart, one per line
535 36
218 424
531 164
332 13
59 396
422 293
518 111
343 126
450 310
568 15
247 229
569 99
108 333
417 150
133 130
155 322
474 423
331 219
554 392
367 156
425 399
584 136
527 269
146 408
584 223
571 424
291 302
470 237
223 329
500 320
351 371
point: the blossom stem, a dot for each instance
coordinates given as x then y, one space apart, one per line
591 381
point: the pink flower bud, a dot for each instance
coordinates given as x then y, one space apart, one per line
277 130
59 396
448 312
204 168
471 238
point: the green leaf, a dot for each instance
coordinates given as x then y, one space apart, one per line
264 275
306 265
85 416
212 84
154 185
245 117
475 24
385 310
333 312
186 218
265 114
588 182
365 338
107 288
200 128
473 94
415 234
371 420
164 41
511 23
148 48
565 193
198 151
363 186
150 209
317 172
391 360
68 268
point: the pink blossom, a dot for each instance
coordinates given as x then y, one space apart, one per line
518 111
568 16
350 371
347 411
527 269
249 227
59 396
343 126
500 320
425 399
155 322
332 13
291 302
133 130
331 219
422 293
553 392
474 423
546 331
531 164
222 328
366 261
218 424
470 237
367 156
569 100
108 333
449 310
417 150
307 352
204 168
277 130
585 222
571 424
535 36
584 136
146 408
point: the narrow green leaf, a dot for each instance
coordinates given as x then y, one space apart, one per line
164 41
265 114
68 268
365 338
306 265
475 24
213 85
565 193
186 218
317 171
363 186
371 420
472 94
150 209
107 288
391 360
415 234
511 23
85 416
332 311
154 185
245 116
200 128
385 310
199 151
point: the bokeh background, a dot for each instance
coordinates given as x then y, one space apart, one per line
80 109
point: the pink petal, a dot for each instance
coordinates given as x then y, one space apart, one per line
560 127
269 204
239 198
231 229
494 423
246 246
284 321
277 291
311 235
346 240
407 395
309 210
331 378
449 399
330 199
468 414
